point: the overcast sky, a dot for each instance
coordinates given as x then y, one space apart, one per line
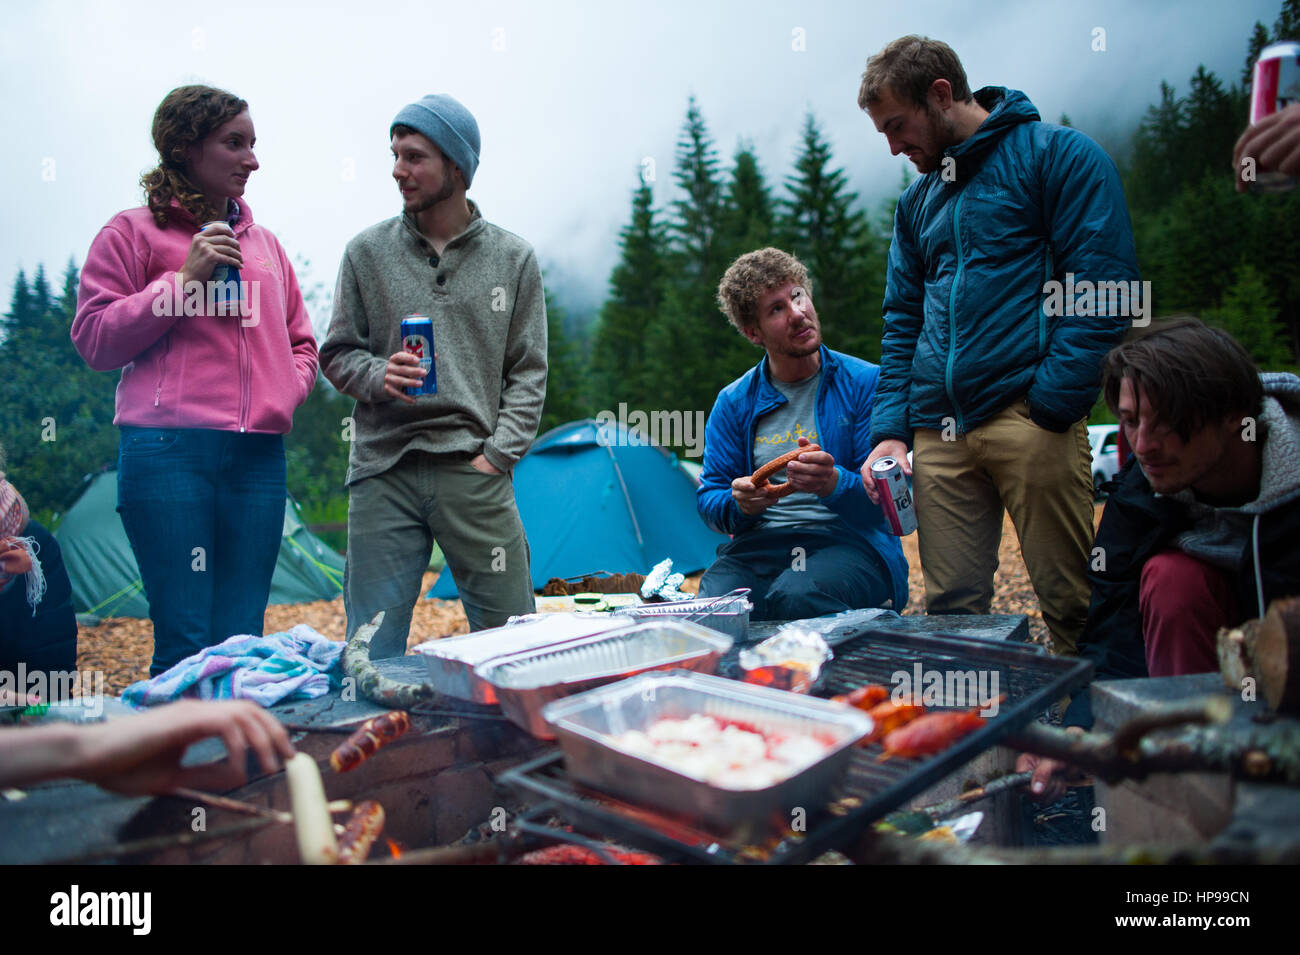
570 97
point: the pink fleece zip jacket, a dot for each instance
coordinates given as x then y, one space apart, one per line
225 372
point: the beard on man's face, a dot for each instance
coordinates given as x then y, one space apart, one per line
941 133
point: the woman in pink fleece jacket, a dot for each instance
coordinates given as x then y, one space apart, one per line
212 371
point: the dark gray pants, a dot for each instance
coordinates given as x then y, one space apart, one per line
797 572
393 520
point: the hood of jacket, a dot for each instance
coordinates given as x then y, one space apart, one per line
1007 109
1278 431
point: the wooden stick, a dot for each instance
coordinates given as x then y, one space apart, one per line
1214 710
499 849
991 788
304 728
1268 753
232 805
157 843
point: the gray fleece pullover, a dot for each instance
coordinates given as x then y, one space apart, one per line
1218 533
484 295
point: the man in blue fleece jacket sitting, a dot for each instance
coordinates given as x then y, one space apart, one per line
822 548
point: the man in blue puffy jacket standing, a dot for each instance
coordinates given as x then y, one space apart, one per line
822 548
1012 273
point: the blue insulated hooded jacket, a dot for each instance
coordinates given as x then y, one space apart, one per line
967 323
844 400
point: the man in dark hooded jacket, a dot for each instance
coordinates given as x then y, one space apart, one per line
1012 272
1202 526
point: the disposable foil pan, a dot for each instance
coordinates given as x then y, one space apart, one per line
726 615
451 661
586 725
525 682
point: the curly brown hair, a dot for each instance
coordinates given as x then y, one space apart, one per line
750 276
185 117
908 68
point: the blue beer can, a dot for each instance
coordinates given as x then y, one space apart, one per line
417 340
226 283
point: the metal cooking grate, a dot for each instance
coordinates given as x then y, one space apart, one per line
1030 679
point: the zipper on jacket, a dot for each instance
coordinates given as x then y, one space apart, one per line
162 371
243 378
952 315
1042 309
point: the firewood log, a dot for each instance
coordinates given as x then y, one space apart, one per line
1277 655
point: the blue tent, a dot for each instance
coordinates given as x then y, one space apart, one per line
595 497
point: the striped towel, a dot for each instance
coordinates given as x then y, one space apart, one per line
268 669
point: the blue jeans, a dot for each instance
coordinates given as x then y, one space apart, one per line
204 511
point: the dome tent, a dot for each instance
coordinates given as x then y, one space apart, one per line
597 497
106 580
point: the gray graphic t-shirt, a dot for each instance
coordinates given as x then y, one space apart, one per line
779 432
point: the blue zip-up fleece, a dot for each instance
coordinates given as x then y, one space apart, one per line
844 398
966 330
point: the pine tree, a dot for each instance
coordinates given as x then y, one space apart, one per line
20 307
697 215
1156 173
618 352
57 426
830 235
691 350
1258 40
1287 24
747 218
1249 314
1213 120
564 385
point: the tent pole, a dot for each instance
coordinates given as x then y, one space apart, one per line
626 497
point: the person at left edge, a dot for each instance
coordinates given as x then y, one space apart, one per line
208 388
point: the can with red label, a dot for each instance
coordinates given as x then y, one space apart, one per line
417 340
895 496
1274 86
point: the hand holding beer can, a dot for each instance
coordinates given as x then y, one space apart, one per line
895 496
227 283
1274 85
417 340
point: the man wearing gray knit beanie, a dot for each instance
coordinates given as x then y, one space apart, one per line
436 467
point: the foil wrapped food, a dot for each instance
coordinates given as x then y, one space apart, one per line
662 584
790 660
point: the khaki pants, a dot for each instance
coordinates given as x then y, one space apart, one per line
1043 479
393 520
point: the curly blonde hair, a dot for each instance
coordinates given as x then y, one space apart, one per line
185 117
750 276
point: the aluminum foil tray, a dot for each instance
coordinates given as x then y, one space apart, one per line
586 725
452 660
729 616
527 681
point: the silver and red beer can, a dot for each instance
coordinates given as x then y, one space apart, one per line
417 340
1274 86
895 496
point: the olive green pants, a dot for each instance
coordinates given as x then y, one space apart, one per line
1043 479
393 520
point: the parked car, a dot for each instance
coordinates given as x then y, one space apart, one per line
1104 440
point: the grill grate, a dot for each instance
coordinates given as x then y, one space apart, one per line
1030 679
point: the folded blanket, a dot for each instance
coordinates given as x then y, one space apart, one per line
264 669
